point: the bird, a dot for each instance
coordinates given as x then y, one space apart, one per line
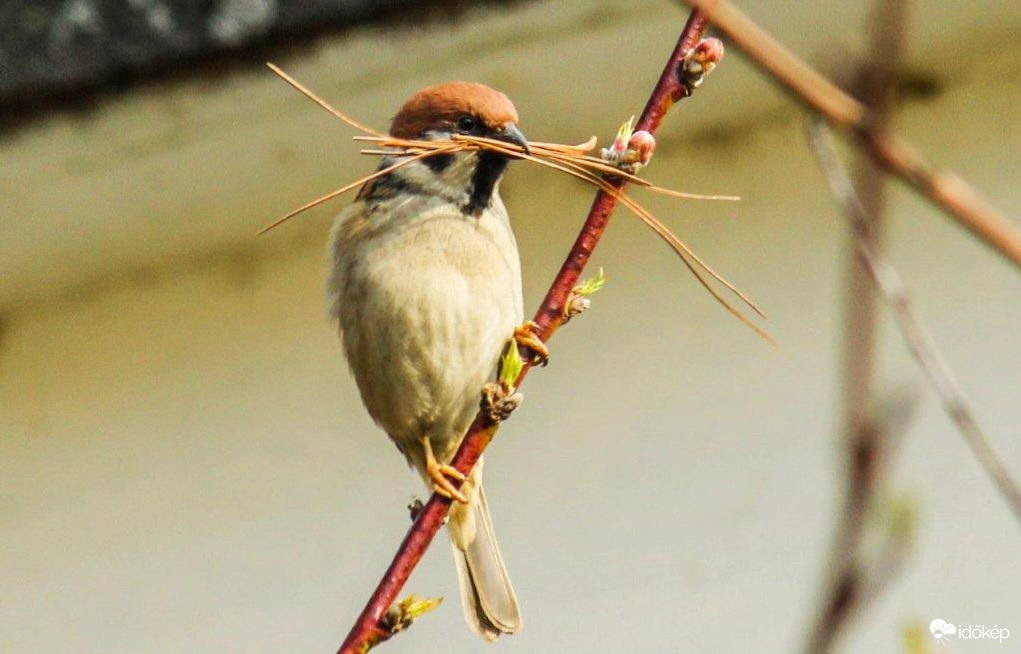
425 286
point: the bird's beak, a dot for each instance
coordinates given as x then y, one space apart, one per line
511 134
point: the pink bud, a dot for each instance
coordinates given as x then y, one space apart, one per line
643 144
708 51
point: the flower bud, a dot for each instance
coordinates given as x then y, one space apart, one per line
641 146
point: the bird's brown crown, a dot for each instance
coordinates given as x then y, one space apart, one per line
440 107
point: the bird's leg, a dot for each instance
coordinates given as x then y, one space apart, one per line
527 334
499 401
441 474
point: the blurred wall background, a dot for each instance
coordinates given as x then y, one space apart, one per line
185 464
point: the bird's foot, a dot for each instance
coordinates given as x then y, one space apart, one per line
527 334
441 474
499 402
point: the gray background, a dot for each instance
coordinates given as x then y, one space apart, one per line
185 465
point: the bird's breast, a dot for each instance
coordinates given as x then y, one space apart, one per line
426 298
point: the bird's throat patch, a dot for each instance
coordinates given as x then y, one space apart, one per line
487 173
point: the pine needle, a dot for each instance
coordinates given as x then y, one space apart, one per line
322 103
356 184
574 160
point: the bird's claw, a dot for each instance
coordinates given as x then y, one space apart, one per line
527 334
499 402
441 474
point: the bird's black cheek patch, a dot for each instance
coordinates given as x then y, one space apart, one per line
487 173
438 163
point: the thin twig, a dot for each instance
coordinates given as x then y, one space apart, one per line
875 81
945 189
866 436
550 316
919 342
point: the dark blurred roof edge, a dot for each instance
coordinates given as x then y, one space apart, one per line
68 55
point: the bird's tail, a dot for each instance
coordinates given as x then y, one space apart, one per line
490 606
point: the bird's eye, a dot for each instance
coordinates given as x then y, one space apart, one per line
466 124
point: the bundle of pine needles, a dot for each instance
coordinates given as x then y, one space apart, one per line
574 160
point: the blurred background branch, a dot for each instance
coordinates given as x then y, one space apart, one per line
916 337
865 431
945 189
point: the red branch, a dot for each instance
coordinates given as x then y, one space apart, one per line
368 630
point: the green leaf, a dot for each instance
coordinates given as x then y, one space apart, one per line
625 130
591 285
511 365
413 607
399 617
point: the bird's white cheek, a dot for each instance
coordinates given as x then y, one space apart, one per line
452 183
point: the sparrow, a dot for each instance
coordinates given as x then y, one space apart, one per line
425 285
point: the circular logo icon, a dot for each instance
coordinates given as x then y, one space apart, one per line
941 629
